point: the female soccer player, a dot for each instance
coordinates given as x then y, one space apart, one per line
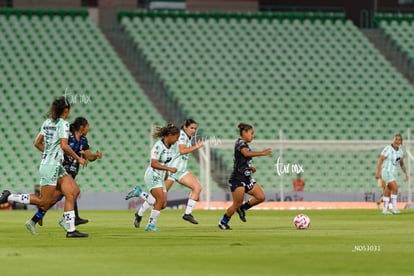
79 144
157 171
53 142
182 176
180 160
391 157
241 180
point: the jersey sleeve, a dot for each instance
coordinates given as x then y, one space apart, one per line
63 130
182 140
241 144
85 145
42 129
386 152
156 151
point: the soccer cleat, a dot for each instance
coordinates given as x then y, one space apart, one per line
242 214
137 220
136 192
62 223
395 212
152 227
190 218
79 220
76 234
31 226
4 196
224 226
386 212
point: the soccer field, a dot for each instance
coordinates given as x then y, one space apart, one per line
339 242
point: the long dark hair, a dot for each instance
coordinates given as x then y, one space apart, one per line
165 131
75 126
188 122
244 127
57 108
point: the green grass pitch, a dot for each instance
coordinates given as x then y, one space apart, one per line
339 242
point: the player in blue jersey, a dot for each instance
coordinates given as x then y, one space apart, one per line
390 159
241 180
53 142
181 149
79 144
157 171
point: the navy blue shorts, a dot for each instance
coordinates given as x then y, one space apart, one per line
247 183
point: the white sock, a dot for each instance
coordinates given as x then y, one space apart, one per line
386 202
190 206
144 207
147 197
394 201
20 198
154 217
70 220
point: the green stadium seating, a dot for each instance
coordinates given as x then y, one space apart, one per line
314 76
45 53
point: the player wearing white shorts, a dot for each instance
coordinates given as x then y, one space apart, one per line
390 159
52 141
180 151
157 171
180 160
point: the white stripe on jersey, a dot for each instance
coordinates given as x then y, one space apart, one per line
180 161
52 132
392 160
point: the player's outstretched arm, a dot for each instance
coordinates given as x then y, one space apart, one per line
248 153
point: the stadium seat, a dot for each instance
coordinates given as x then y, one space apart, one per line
288 72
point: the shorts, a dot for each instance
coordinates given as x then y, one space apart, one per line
248 184
177 176
155 179
49 174
388 176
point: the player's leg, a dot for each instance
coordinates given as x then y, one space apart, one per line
190 181
70 190
258 196
387 177
139 192
381 184
149 200
386 200
47 193
78 219
394 194
160 196
238 196
40 212
168 183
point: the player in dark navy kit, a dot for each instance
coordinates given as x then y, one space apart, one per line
79 144
241 180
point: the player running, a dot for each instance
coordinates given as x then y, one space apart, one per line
157 171
390 159
181 149
79 144
53 142
241 180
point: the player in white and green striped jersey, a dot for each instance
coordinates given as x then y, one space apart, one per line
390 159
52 140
